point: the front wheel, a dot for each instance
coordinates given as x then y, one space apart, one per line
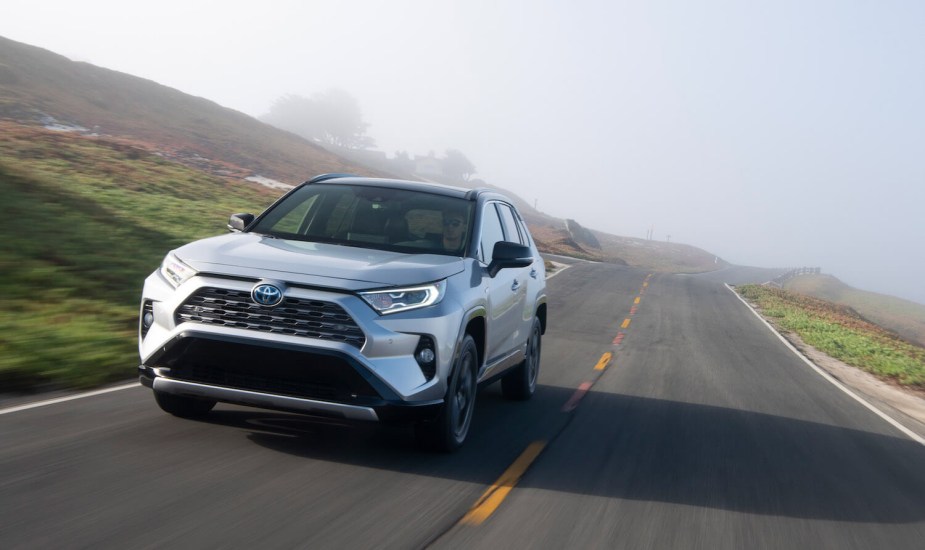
183 406
520 384
448 431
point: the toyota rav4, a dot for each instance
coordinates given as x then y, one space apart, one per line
354 298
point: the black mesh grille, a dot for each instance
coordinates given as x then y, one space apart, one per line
269 370
296 317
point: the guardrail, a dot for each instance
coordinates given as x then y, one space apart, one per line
778 282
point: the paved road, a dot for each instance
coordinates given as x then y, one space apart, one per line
703 432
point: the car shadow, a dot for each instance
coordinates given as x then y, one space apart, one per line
627 447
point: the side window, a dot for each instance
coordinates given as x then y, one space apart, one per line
491 232
511 232
524 234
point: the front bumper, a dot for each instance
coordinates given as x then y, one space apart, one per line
257 399
281 377
374 379
386 412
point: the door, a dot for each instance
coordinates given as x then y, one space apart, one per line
506 293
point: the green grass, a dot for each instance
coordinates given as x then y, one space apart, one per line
843 334
84 222
902 316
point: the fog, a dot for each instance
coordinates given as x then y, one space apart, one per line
776 134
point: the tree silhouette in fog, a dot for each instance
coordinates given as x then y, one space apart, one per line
332 117
457 166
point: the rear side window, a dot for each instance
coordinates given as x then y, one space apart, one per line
511 231
524 234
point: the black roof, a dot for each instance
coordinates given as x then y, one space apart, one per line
419 186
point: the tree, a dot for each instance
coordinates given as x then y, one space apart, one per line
403 163
331 117
457 166
295 114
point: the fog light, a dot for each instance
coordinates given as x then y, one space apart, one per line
426 357
147 317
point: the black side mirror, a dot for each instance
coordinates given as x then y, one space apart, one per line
237 222
507 255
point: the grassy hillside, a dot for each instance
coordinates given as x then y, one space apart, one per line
841 333
656 255
901 316
36 83
85 221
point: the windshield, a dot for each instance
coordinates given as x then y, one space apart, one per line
372 217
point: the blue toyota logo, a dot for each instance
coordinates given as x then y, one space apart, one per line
267 295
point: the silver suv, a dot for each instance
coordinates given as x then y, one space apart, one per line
352 298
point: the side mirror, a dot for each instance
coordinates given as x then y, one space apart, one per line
237 222
507 255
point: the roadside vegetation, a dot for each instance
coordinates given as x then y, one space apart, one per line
904 317
85 220
842 333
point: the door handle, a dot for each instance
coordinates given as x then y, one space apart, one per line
516 285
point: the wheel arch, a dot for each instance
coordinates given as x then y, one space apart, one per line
541 314
475 327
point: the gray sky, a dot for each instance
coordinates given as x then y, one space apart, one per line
772 133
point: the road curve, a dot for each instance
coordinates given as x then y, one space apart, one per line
703 431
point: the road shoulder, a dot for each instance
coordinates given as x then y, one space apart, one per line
904 406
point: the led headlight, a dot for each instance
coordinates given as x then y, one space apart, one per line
175 271
404 299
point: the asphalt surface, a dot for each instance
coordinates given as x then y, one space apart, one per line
704 431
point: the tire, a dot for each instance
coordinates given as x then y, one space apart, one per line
182 406
520 384
448 431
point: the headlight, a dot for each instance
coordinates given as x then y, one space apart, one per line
175 271
404 299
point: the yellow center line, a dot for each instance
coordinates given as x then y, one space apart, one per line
626 323
645 284
495 495
605 360
636 301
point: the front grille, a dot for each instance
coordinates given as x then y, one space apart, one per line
294 316
269 370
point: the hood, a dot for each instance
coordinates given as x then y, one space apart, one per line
315 264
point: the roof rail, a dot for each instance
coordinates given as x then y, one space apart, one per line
473 193
325 177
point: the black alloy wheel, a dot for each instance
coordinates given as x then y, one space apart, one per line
448 431
520 384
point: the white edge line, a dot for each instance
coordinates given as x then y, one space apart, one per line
560 270
912 435
68 398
